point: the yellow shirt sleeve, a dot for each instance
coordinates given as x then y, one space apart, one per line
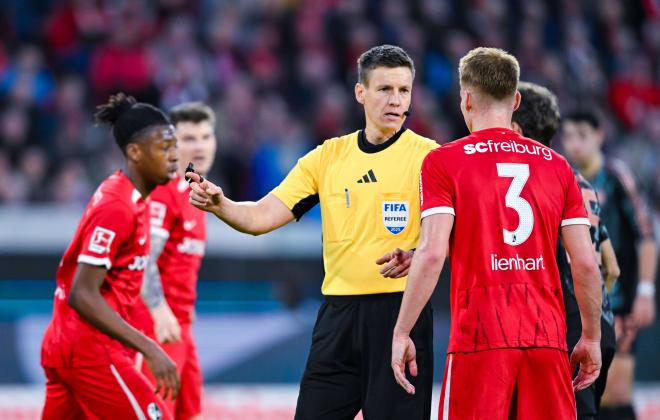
299 190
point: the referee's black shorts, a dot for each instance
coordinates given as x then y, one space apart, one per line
348 367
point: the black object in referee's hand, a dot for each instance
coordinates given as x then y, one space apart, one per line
191 168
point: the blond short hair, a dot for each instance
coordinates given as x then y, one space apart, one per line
492 71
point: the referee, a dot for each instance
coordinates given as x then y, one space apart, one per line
367 183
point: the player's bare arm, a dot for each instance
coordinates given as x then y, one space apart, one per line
85 297
586 280
396 264
425 268
255 218
611 269
166 326
643 311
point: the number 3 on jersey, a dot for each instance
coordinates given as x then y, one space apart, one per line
520 173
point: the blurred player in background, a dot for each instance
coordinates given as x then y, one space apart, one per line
367 184
86 349
538 118
507 347
627 218
178 241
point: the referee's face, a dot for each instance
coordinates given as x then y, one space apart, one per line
386 96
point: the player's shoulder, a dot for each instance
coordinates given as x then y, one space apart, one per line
418 141
340 142
450 149
620 171
583 183
115 195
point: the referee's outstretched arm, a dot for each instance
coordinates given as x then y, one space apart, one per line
251 217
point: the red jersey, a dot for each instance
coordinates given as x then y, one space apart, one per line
509 195
113 232
184 226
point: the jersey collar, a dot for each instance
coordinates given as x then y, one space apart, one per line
135 194
367 147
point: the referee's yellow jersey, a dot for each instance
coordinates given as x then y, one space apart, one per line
369 196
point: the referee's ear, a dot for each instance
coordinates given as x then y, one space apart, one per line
359 92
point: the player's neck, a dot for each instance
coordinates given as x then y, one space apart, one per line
591 167
376 136
140 184
491 120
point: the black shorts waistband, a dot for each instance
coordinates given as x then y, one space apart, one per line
374 296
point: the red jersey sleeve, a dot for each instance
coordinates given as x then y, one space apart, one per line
162 209
574 212
108 226
436 188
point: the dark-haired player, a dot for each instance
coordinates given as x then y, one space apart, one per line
367 184
178 241
87 350
487 203
538 118
626 216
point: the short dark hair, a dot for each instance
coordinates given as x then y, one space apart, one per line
383 56
538 113
492 71
195 112
584 116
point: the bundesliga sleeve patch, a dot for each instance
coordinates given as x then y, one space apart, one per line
101 240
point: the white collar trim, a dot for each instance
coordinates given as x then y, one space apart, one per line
136 195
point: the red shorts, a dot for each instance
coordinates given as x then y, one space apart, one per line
184 354
110 391
533 383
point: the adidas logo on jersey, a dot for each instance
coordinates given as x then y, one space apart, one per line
368 178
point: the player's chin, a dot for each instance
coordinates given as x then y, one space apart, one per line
166 177
392 122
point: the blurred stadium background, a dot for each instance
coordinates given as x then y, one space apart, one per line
280 75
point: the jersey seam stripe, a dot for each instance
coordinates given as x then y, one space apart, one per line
139 360
575 221
158 231
438 210
445 406
88 259
129 394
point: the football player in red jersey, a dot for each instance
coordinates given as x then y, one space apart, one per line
488 204
87 350
178 241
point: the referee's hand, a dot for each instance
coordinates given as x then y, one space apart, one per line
397 263
204 195
404 353
587 355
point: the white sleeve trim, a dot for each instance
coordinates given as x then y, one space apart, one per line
158 231
88 259
438 210
575 221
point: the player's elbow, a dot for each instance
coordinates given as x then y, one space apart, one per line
585 269
431 256
73 299
613 271
78 299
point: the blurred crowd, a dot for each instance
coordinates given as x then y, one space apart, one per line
280 75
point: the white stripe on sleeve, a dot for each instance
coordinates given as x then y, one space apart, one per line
438 210
88 259
575 221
